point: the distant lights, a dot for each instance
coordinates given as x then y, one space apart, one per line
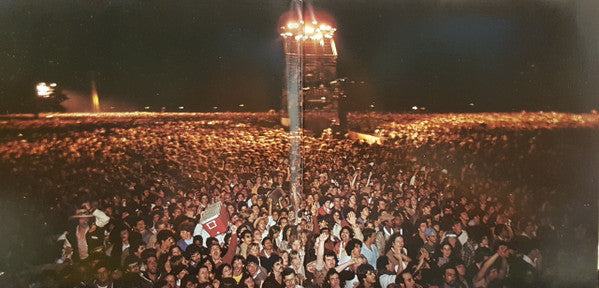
181 107
147 108
414 108
313 31
44 90
241 105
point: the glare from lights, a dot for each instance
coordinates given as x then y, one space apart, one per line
471 104
215 107
414 108
147 107
241 105
44 90
315 31
323 98
309 30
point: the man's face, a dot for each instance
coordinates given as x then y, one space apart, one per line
152 265
329 261
215 252
334 280
125 235
278 266
252 268
168 243
171 281
450 276
365 212
344 234
461 269
397 221
290 281
464 216
408 280
422 227
102 275
337 202
432 239
247 238
133 268
196 257
141 226
204 275
237 264
356 251
446 250
457 228
370 277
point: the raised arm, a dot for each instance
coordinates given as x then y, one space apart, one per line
351 219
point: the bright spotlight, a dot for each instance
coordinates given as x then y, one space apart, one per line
44 90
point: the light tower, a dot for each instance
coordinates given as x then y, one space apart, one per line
310 65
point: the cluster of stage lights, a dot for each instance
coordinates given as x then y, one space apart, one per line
304 31
45 90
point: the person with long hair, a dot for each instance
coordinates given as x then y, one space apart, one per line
397 253
346 234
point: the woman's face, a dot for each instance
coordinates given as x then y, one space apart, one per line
257 236
296 261
398 243
285 258
267 245
296 245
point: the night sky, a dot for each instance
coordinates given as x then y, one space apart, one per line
444 55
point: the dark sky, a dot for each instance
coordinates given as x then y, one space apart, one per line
498 55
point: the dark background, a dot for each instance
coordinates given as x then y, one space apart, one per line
448 56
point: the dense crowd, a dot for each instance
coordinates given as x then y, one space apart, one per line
480 200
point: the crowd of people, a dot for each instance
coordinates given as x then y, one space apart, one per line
481 200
